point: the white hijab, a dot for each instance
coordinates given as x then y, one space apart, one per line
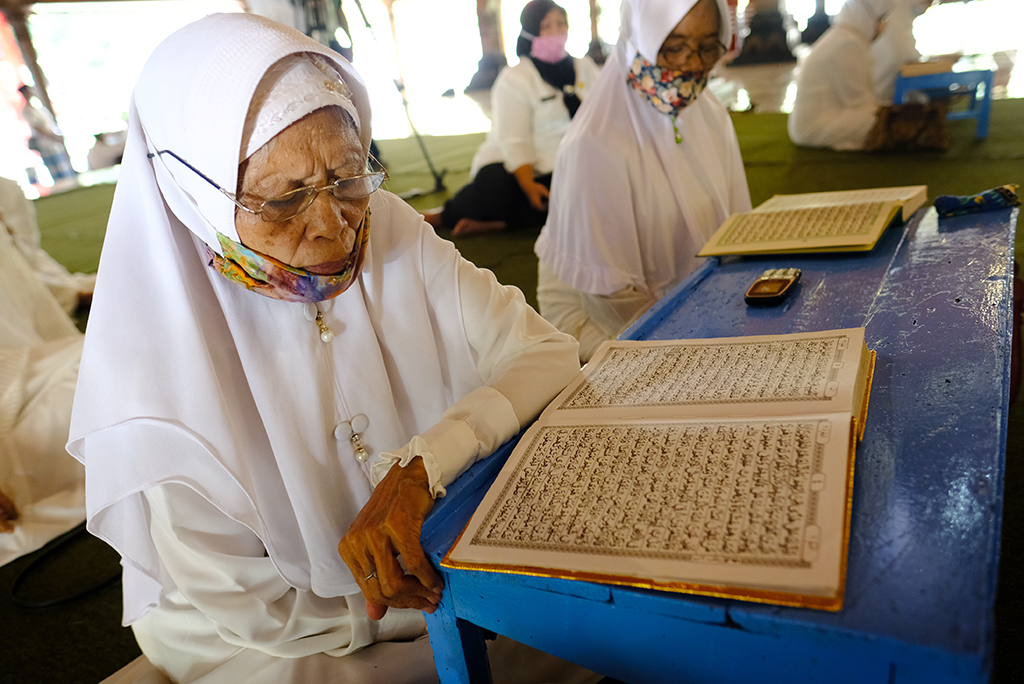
189 378
862 16
630 206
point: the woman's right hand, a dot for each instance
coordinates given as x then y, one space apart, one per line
538 195
8 513
536 192
387 527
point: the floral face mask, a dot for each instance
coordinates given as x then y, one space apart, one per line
272 278
667 90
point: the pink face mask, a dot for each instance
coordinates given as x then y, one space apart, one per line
550 49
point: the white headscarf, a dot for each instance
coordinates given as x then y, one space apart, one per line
862 16
630 206
190 378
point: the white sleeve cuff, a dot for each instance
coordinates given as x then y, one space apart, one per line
471 429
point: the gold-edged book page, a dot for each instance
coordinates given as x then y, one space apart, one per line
559 510
864 391
719 466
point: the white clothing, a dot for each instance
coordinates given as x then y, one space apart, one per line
529 117
895 47
192 381
835 102
630 207
19 216
40 349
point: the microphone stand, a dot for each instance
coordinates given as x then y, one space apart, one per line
439 185
438 177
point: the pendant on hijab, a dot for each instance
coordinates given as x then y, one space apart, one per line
667 90
315 314
352 431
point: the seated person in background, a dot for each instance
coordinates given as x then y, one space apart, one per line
896 46
281 357
835 102
18 216
531 105
8 513
40 349
648 170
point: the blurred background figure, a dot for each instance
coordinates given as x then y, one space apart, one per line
835 102
40 350
47 139
107 150
19 228
531 106
896 46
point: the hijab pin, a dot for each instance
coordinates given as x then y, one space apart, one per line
313 313
352 431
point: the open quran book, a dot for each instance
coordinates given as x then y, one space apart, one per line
721 467
842 221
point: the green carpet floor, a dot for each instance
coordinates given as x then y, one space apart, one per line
83 642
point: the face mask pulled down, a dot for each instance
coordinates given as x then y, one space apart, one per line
272 278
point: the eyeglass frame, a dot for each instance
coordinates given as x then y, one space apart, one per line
691 52
306 188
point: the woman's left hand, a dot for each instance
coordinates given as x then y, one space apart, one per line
387 527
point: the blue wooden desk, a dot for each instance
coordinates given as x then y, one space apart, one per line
935 298
977 84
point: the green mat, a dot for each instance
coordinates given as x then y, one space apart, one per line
83 642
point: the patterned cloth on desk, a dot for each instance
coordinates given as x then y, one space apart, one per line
989 200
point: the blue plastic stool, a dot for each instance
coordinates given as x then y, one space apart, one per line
979 83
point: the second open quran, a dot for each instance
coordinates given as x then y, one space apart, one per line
720 467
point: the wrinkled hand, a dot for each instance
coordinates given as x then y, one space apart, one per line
8 513
537 194
388 527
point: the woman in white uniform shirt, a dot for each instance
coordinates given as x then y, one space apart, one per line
649 169
531 106
279 356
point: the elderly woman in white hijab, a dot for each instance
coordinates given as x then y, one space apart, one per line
835 102
281 355
649 169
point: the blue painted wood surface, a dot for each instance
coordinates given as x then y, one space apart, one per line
977 84
935 298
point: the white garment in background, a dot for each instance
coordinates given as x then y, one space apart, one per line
895 47
19 216
529 117
40 349
630 207
835 102
189 379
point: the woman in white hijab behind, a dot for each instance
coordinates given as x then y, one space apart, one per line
649 169
280 356
835 102
896 46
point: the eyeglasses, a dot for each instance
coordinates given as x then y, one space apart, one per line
677 52
293 203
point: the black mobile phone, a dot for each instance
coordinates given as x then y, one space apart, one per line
772 286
